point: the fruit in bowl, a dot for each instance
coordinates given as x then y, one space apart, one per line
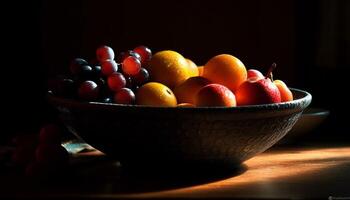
154 128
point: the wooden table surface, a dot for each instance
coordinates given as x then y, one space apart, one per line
279 173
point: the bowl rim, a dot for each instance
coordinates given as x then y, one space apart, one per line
300 103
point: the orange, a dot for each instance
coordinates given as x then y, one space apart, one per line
155 94
226 70
215 95
286 94
200 70
169 68
192 68
186 91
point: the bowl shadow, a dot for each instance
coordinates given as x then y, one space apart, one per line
129 179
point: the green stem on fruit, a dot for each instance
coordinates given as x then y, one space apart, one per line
269 72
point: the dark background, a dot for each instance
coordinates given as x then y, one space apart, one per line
309 40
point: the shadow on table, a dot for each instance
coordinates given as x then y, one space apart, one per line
142 180
103 176
113 177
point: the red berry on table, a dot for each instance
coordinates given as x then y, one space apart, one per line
131 66
141 77
50 134
104 53
35 169
124 96
51 154
25 148
145 53
22 155
116 81
26 140
88 90
108 67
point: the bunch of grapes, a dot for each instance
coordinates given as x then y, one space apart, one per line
109 80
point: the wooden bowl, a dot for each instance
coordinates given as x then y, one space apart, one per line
166 135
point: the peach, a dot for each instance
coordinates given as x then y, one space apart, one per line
200 70
257 91
286 94
186 92
215 95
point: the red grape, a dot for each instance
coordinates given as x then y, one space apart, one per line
88 90
145 53
104 53
141 77
124 96
116 81
108 67
131 66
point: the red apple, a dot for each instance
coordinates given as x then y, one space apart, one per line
255 91
251 73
